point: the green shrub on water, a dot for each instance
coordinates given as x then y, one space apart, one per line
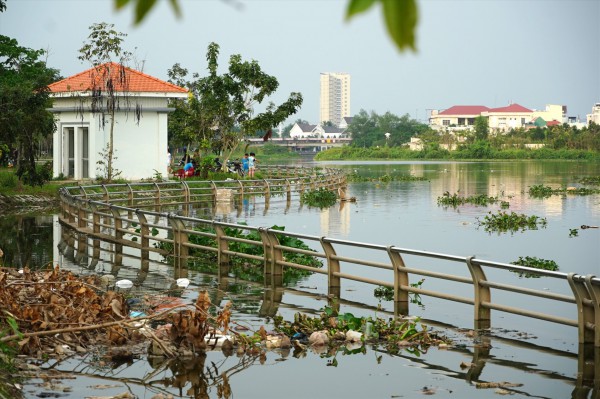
320 198
455 200
535 263
540 191
590 180
503 221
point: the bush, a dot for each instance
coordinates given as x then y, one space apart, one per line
8 180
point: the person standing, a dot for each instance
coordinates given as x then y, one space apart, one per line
245 164
251 164
169 162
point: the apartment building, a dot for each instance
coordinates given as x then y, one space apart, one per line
335 98
595 115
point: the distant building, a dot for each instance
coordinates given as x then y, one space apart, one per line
335 98
502 119
595 115
346 121
304 130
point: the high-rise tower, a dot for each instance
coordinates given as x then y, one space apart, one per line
335 97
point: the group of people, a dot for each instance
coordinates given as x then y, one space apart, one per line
249 162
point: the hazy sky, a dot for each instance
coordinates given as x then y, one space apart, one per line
470 52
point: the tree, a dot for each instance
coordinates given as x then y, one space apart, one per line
220 110
102 48
24 100
400 16
481 128
369 129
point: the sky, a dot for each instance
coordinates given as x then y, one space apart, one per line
469 52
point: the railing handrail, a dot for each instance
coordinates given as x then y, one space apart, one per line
83 212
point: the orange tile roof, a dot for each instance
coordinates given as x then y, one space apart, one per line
138 82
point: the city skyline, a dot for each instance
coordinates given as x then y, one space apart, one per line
469 52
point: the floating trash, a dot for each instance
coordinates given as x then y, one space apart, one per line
124 284
183 282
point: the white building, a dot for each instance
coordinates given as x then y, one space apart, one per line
335 97
140 126
595 115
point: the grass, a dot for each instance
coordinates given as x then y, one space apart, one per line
10 185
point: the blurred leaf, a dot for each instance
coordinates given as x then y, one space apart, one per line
358 6
401 17
141 9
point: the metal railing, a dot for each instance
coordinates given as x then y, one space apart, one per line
115 213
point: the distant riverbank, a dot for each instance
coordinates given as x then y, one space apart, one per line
476 151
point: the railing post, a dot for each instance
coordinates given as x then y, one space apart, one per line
585 309
157 198
334 286
594 291
180 240
118 235
267 191
288 190
95 230
186 191
401 299
482 294
222 246
272 270
144 238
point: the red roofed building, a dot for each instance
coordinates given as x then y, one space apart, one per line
140 125
510 117
458 117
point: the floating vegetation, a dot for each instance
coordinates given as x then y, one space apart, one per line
355 178
503 222
541 191
573 232
320 198
243 268
387 293
455 200
331 327
535 263
590 180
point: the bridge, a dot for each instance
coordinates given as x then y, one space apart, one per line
312 144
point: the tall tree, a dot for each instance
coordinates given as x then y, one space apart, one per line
102 50
24 100
220 110
481 128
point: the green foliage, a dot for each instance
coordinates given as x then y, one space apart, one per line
401 18
368 130
590 180
510 222
455 200
41 175
24 100
541 191
536 263
387 293
220 110
248 269
355 177
8 180
106 173
320 198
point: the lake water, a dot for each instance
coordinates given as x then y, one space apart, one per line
539 355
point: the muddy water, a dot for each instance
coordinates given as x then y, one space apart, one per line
542 357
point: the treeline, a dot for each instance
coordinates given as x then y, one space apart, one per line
387 137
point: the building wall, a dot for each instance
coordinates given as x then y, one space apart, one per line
551 113
140 148
595 115
335 97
